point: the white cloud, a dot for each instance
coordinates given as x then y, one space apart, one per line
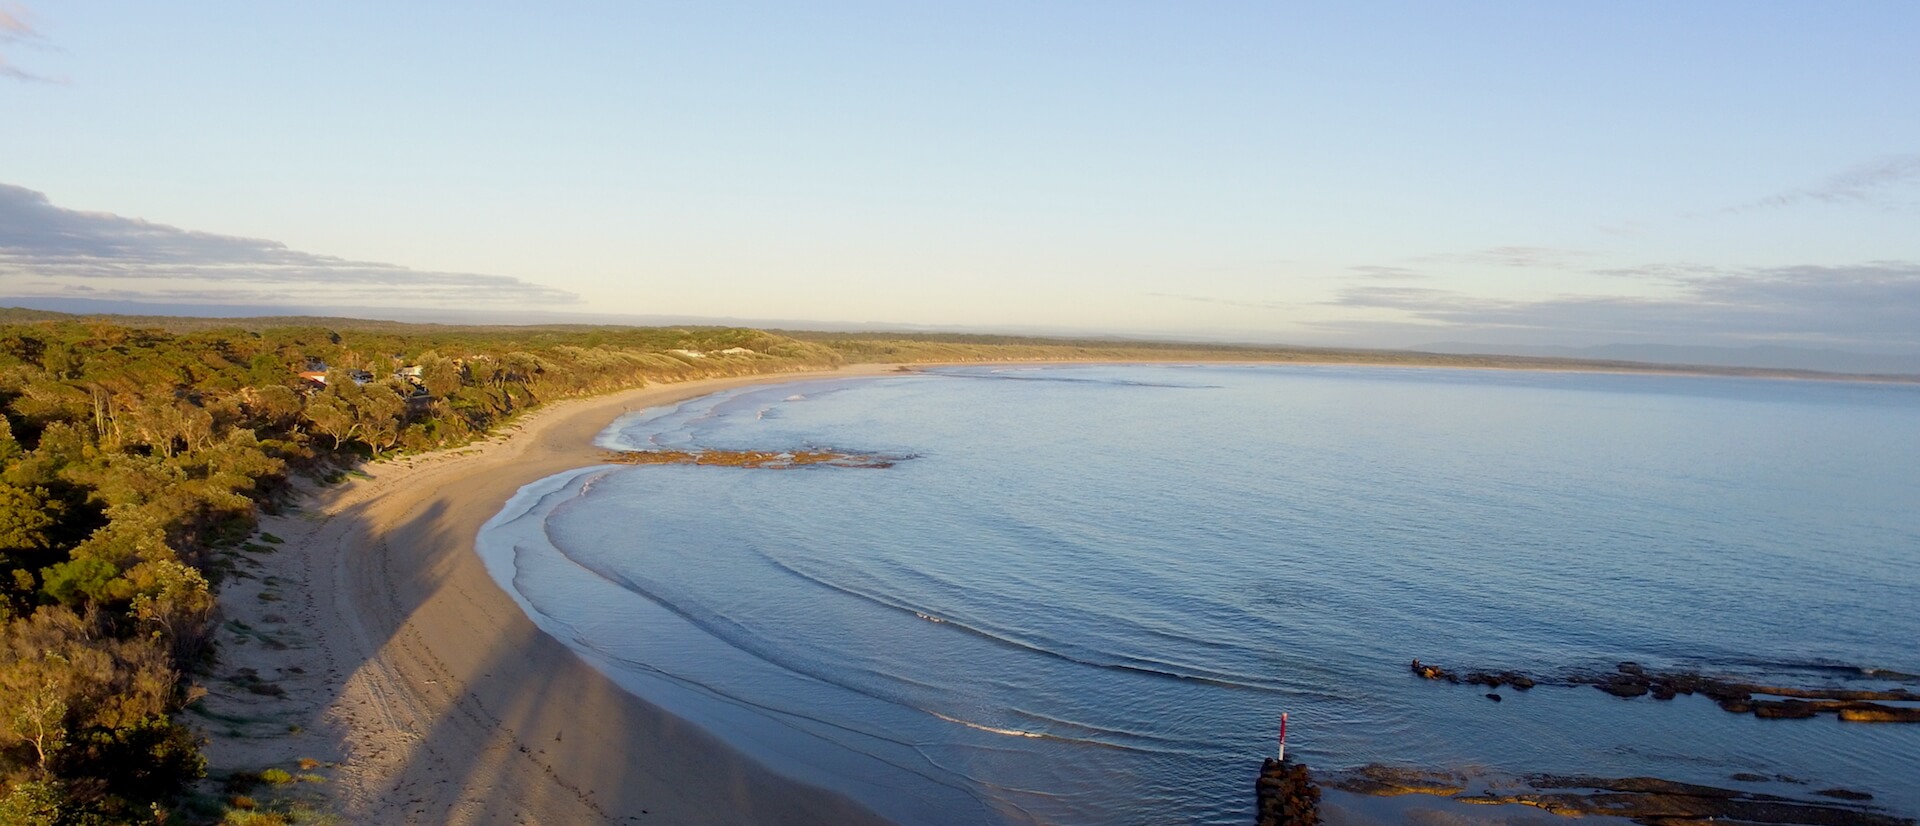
1882 183
55 251
1874 304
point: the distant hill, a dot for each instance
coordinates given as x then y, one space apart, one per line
1760 356
1761 360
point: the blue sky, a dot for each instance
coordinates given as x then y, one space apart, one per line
1386 174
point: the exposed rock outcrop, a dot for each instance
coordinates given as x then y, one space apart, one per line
1287 795
1490 679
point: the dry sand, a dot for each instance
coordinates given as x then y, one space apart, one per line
423 690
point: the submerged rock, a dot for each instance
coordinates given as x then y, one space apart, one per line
1784 709
1387 781
1647 800
1629 680
1492 680
1624 685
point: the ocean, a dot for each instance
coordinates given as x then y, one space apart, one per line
1085 594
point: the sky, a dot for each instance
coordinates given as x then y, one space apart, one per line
1377 174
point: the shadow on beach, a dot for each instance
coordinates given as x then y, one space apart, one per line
441 700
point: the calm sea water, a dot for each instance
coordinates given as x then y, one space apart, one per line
1091 592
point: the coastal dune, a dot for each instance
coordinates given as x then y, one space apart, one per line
440 700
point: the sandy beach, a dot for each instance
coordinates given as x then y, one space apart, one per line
424 692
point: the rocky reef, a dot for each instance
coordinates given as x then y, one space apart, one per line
1646 800
1769 702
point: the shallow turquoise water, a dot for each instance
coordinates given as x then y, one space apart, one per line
1091 591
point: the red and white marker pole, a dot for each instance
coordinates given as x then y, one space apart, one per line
1283 737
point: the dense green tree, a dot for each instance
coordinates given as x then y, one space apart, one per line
78 581
59 360
25 517
382 413
10 448
34 803
333 416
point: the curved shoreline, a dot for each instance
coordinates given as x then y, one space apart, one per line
435 695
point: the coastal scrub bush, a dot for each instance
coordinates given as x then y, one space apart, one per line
33 803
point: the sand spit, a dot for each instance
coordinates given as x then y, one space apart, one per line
371 641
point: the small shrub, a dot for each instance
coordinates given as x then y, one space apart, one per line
277 777
33 803
252 817
305 816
